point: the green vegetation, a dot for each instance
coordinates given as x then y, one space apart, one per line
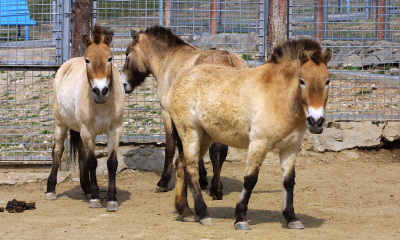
247 57
362 92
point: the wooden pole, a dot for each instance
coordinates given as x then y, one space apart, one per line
319 21
276 23
213 16
81 23
167 13
381 20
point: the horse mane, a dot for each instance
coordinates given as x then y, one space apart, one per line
164 34
98 33
291 49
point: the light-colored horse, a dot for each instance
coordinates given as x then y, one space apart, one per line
89 100
261 109
159 52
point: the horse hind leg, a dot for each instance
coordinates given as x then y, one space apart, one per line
60 134
218 153
77 146
202 175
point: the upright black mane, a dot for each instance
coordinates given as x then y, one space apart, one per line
98 32
164 34
292 48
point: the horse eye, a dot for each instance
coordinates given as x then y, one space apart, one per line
126 53
87 61
327 82
302 82
110 59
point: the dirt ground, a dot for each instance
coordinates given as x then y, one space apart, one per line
336 197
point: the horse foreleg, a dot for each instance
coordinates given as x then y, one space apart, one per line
288 161
60 134
218 153
255 158
88 140
170 145
202 175
113 139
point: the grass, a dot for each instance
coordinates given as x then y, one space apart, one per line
363 92
247 57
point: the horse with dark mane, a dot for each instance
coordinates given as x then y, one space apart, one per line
262 109
159 52
89 100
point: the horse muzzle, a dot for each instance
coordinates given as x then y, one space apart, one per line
315 126
100 96
127 87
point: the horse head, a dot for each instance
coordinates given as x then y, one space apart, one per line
136 67
314 82
98 58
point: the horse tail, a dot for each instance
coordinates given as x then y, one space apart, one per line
74 140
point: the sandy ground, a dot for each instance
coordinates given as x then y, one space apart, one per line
335 197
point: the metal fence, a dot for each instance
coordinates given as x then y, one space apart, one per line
365 38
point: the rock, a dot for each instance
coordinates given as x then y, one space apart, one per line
392 131
340 136
352 61
351 155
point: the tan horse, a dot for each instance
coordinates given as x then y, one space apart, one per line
159 52
89 99
261 109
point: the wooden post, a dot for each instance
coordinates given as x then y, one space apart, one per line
213 16
81 23
167 13
319 21
276 23
381 20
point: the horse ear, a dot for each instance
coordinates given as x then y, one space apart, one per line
86 40
303 56
135 35
107 39
327 55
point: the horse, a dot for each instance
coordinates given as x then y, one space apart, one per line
261 109
89 100
159 52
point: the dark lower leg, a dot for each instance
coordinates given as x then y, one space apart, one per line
181 203
169 157
112 164
199 205
92 165
218 153
288 184
202 175
241 207
83 170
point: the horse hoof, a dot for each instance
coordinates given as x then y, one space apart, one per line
160 189
189 218
296 225
215 197
112 206
51 196
242 226
95 203
207 222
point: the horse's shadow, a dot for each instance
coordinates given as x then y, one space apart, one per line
257 216
76 193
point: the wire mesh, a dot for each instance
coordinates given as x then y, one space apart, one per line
364 38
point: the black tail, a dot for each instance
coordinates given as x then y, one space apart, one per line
75 138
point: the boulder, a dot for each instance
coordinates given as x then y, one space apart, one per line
391 132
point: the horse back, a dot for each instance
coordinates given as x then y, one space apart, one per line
221 58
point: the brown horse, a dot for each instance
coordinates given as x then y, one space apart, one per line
159 52
89 100
261 109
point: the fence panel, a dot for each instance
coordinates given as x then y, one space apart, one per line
30 52
365 38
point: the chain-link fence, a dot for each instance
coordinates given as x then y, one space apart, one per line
365 38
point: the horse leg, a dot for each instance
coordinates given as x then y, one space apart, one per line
88 140
288 161
202 175
77 145
218 153
170 145
60 134
255 157
113 138
181 202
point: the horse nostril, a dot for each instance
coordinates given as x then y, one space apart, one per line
104 91
96 91
310 121
125 84
321 122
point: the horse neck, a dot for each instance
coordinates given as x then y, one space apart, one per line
159 55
